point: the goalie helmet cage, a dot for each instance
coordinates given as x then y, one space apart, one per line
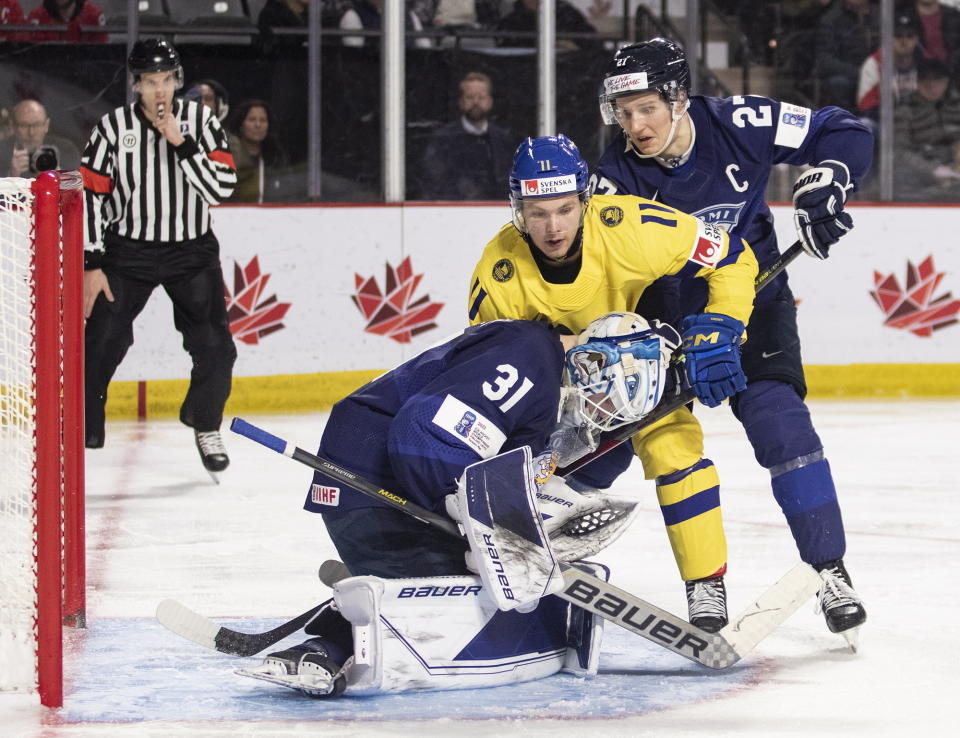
42 568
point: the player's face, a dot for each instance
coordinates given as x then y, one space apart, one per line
646 119
156 88
552 223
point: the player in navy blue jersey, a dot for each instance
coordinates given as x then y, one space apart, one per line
472 402
712 157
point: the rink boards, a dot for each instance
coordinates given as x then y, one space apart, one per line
324 298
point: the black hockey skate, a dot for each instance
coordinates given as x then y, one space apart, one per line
707 603
842 607
212 451
305 667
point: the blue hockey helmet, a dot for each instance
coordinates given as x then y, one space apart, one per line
618 369
657 65
548 166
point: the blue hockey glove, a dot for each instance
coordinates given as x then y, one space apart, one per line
711 349
818 197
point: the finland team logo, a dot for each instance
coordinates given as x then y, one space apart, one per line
725 215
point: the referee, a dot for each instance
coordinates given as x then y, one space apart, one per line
151 170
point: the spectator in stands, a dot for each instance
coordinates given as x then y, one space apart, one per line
846 35
287 57
282 14
258 155
366 14
441 13
32 149
906 55
11 14
926 135
469 159
212 94
939 31
75 14
523 17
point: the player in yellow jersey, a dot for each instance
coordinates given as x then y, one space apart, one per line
568 258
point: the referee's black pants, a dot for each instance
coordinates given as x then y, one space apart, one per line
190 273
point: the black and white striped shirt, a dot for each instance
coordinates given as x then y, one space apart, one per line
139 186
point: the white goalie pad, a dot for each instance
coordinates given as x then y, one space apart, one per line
509 548
440 633
579 523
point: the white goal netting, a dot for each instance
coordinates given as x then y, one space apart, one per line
17 401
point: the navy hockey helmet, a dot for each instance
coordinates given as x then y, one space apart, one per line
548 166
154 55
657 65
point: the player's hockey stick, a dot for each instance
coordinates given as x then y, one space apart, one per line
612 439
715 650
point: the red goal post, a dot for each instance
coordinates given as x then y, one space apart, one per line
42 562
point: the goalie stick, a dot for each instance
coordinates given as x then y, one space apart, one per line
714 650
201 630
612 439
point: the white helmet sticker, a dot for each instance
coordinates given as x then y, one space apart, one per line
625 82
549 186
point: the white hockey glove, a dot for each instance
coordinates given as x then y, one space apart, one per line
818 198
580 523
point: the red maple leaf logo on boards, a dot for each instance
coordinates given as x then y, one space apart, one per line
914 308
250 317
390 312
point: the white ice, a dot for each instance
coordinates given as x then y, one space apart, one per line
244 550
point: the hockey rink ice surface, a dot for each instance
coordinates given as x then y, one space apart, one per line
246 554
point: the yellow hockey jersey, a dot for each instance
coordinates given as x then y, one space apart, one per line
628 242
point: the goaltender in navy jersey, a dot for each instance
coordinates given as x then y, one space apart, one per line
723 182
416 428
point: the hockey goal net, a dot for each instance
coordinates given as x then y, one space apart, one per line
41 428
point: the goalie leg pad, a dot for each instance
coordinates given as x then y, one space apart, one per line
509 547
440 633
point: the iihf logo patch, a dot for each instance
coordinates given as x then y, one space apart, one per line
503 270
726 215
465 424
321 495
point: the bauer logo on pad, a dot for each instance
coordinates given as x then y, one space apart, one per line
550 186
321 495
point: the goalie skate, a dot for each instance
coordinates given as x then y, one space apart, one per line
305 671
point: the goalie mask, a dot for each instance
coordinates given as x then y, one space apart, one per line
548 166
619 369
657 65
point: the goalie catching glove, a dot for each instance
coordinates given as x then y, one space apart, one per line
818 198
581 521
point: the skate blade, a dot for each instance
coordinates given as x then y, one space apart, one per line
215 476
852 637
311 684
